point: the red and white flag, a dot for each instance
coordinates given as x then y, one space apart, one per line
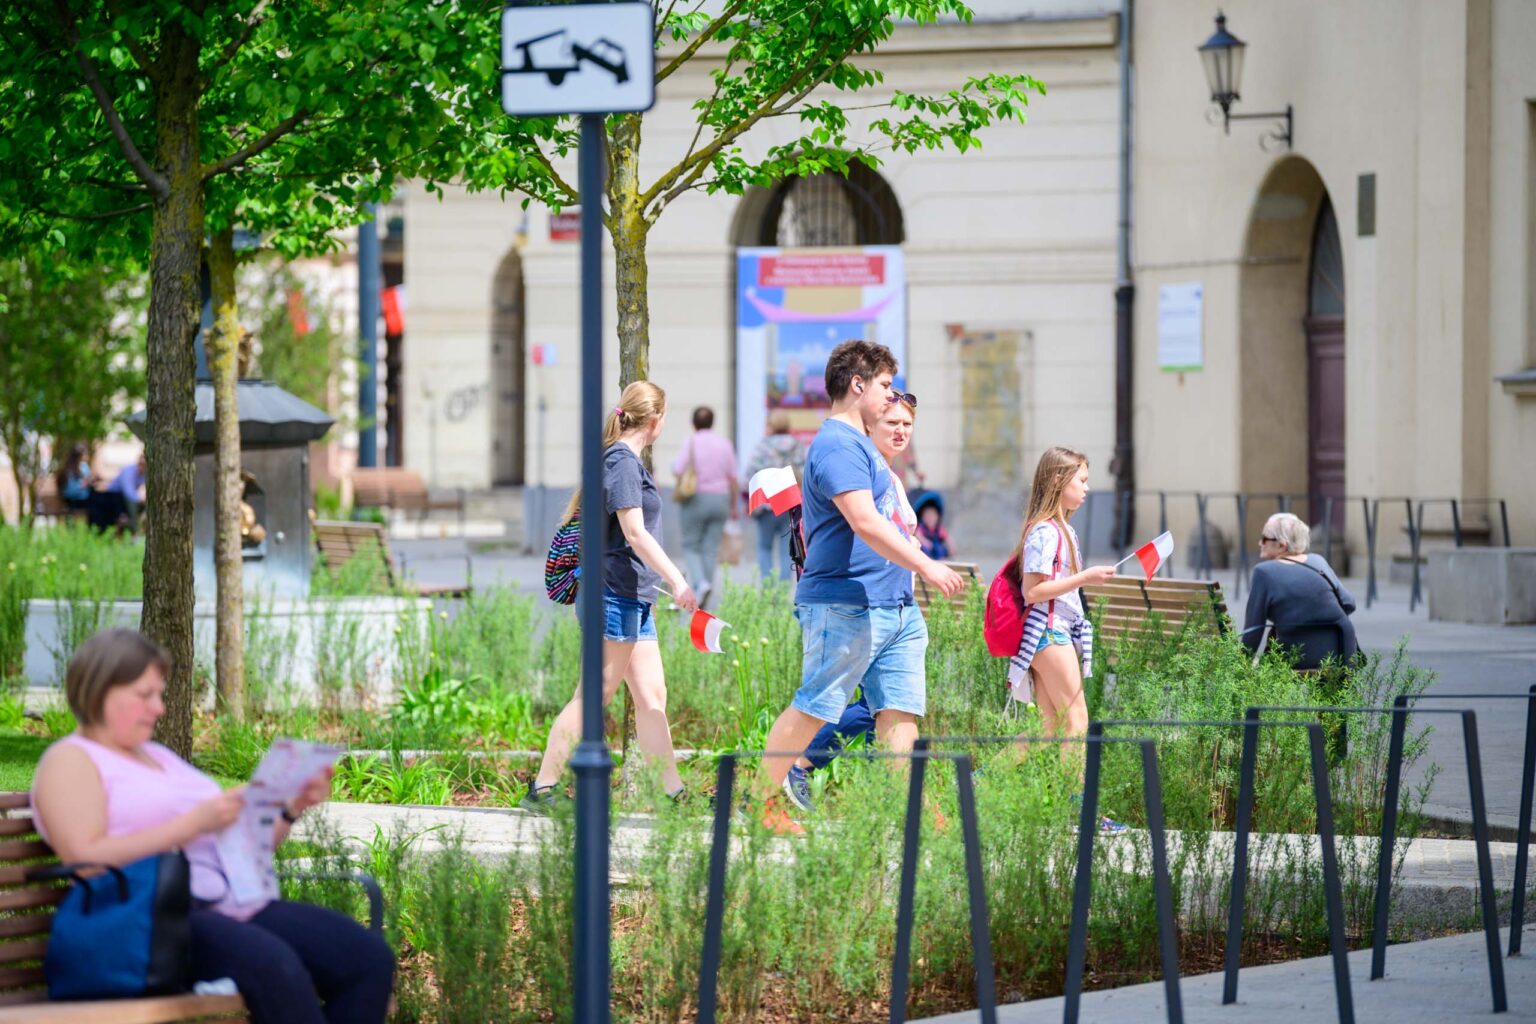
1153 555
774 487
705 632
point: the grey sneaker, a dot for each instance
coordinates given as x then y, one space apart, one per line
797 786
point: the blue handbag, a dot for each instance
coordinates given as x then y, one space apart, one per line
122 933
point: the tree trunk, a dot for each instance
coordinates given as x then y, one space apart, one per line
228 563
632 282
629 228
176 244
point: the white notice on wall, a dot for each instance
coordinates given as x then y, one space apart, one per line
1180 311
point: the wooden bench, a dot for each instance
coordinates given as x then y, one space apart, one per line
50 504
396 487
925 594
1129 601
338 542
26 916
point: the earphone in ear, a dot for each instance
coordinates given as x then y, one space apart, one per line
859 388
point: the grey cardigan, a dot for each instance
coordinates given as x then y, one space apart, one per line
1289 594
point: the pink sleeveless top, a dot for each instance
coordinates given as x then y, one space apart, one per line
140 797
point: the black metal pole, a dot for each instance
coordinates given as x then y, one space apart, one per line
714 904
1082 887
1388 838
1333 890
1523 846
901 964
1484 860
981 935
1371 511
591 762
1238 895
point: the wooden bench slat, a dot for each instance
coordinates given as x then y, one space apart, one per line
14 801
158 1010
26 924
18 826
25 899
21 977
27 849
27 949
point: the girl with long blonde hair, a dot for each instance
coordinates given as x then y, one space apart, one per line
634 567
1057 649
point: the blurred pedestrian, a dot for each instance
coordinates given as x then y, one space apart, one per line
777 448
712 461
129 483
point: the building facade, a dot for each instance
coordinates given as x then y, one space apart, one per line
1358 293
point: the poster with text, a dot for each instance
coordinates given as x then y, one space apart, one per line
793 307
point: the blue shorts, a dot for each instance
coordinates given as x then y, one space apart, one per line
626 620
1053 636
848 646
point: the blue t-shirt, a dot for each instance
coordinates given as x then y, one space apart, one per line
839 567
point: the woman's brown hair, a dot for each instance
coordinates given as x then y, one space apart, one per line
641 404
111 658
1056 467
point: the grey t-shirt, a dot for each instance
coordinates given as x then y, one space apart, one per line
626 484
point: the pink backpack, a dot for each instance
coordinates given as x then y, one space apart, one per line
1003 624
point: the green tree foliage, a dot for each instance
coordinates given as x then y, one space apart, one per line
71 356
769 60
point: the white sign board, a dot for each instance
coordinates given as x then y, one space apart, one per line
1180 312
578 59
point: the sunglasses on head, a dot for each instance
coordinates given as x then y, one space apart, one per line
904 396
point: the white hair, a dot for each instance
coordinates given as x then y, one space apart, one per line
1289 530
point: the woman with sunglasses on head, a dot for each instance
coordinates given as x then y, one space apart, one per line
891 434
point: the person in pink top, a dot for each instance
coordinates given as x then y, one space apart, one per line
108 794
703 516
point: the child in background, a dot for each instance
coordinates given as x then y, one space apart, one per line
931 533
1057 647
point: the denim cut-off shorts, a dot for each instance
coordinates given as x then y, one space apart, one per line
1053 636
627 620
848 646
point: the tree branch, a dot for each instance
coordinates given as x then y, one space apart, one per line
158 185
731 10
116 186
255 21
236 159
554 175
140 55
125 211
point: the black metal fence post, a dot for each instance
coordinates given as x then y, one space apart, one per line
901 961
1523 841
1205 540
1242 546
1371 510
1415 537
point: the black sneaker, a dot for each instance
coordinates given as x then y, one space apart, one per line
541 799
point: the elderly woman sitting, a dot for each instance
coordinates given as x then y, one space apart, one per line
1298 595
108 794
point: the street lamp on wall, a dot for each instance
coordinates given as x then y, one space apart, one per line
1222 57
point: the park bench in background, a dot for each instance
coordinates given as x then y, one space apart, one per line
50 504
401 489
1128 602
338 542
925 595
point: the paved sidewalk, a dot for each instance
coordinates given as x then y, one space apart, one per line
1437 981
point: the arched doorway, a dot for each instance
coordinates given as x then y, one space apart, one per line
1325 363
1291 348
821 210
508 373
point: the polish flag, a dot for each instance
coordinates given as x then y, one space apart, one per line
774 487
1153 555
705 632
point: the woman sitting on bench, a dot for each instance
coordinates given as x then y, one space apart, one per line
107 794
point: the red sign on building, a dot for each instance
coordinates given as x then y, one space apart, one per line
829 270
565 226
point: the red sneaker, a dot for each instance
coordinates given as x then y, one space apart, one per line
778 821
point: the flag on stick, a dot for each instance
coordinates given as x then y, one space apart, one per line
1152 555
774 487
705 632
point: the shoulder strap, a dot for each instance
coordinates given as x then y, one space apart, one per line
1326 579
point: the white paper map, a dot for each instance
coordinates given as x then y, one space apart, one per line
246 847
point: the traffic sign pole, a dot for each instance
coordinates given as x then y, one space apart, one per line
592 762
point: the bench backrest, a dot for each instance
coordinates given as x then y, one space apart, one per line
388 486
1129 601
926 595
339 541
26 908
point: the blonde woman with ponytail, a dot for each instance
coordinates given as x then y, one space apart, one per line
1057 649
634 567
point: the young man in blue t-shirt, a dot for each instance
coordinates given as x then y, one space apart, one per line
857 616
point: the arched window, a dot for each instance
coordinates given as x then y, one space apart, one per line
1325 288
831 210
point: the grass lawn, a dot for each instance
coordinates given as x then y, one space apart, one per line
19 754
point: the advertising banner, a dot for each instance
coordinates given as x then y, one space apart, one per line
793 307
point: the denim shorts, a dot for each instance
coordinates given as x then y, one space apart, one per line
627 620
1053 636
848 646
